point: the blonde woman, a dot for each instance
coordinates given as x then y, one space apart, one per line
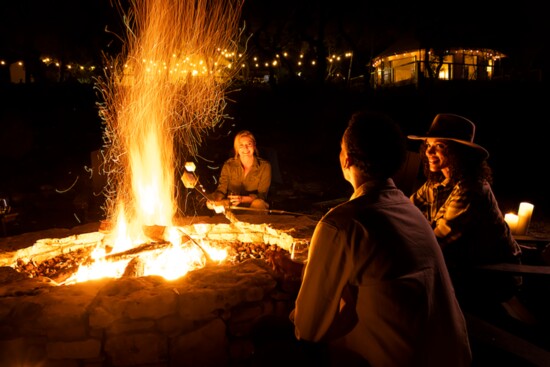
245 178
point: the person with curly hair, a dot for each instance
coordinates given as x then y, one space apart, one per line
458 201
375 288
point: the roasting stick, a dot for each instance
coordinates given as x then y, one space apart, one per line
191 181
268 211
206 254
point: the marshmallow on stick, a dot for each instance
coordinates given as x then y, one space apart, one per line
189 178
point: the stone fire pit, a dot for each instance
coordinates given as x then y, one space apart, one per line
202 319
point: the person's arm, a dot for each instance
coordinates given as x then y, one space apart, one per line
325 277
459 212
265 180
420 199
223 183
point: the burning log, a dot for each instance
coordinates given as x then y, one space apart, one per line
58 268
59 259
135 268
156 233
131 253
61 267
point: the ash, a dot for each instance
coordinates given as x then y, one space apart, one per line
61 267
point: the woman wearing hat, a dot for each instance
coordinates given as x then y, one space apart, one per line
458 201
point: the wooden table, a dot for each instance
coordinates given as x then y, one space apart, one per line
519 269
532 240
534 259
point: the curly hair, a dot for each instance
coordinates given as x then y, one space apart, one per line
464 164
375 143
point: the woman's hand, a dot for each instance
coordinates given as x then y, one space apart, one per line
217 205
235 199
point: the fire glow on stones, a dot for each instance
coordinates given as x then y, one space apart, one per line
161 95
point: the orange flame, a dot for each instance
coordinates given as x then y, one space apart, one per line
161 95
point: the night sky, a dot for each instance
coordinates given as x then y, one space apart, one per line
81 29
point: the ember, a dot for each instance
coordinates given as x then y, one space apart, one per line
62 259
57 268
61 267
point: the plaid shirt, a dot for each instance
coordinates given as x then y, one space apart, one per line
467 221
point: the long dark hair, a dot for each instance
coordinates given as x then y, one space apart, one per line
465 163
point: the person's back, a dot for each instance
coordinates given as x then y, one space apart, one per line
375 282
404 297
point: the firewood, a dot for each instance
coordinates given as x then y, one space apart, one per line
135 268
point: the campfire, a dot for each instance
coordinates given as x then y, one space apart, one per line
170 252
202 318
161 96
173 291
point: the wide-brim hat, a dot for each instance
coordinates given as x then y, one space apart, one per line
447 126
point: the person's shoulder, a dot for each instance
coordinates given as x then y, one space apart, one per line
341 214
231 161
479 187
263 161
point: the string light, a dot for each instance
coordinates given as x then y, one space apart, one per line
408 65
188 65
227 60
